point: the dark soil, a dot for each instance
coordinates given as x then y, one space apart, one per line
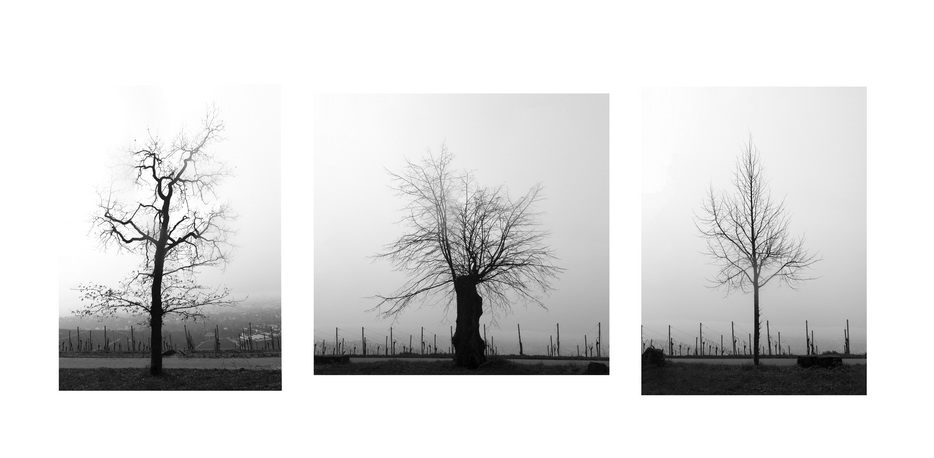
719 379
136 379
494 366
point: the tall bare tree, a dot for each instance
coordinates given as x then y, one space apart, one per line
748 237
465 242
172 221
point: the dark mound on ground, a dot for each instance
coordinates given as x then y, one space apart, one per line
653 357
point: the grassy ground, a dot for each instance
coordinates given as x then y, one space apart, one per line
172 379
689 378
195 354
493 367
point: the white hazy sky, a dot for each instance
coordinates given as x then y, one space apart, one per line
560 141
106 122
812 144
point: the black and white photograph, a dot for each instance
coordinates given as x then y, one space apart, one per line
401 229
170 259
461 234
754 241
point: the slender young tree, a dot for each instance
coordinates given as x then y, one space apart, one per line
173 222
465 243
748 237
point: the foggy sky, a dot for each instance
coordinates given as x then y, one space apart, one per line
560 141
812 146
109 122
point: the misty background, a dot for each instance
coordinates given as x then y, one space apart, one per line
115 119
560 141
812 146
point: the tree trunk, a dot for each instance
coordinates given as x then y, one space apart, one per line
755 302
156 311
468 345
155 364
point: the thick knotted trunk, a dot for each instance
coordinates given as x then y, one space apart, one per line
468 345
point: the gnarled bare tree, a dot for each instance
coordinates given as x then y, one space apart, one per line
174 224
465 243
747 236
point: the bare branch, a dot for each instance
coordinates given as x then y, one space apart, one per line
747 232
459 229
176 227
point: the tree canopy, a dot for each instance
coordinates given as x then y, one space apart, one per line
461 231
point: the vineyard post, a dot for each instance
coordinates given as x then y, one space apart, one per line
363 338
587 346
422 350
435 344
807 339
733 337
721 345
669 340
813 350
551 346
558 338
519 330
779 342
768 336
599 341
484 340
848 336
393 342
335 342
